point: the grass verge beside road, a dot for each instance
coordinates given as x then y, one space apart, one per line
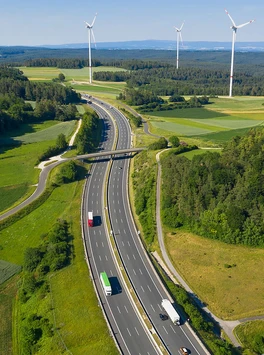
79 321
251 335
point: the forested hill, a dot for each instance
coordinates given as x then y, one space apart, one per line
219 196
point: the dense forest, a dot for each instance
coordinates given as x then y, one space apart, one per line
200 73
219 196
199 59
53 101
167 80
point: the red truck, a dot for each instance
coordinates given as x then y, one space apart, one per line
90 219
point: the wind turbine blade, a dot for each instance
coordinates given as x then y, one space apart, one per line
244 24
233 22
93 38
87 24
177 29
181 39
181 26
94 20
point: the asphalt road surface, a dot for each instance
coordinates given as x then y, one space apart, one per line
130 334
141 273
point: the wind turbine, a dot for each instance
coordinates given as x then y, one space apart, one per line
90 32
179 36
234 28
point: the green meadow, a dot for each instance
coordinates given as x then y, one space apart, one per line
49 73
238 103
19 153
50 132
214 122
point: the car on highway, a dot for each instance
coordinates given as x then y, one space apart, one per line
184 351
163 316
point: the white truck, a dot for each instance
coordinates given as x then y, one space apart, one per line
106 284
171 311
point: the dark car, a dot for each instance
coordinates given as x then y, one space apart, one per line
163 316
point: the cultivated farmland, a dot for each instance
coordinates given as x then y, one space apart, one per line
223 115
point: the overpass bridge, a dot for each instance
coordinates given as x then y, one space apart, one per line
112 153
50 164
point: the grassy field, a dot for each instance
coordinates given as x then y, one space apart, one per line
237 103
17 163
48 73
17 171
226 277
11 195
51 132
26 232
37 73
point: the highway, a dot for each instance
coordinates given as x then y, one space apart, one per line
141 273
127 327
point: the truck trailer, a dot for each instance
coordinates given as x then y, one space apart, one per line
171 311
106 284
90 219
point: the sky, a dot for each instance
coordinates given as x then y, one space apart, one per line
42 22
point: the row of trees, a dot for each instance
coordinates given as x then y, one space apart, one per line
88 137
135 121
135 97
78 63
66 63
147 101
218 196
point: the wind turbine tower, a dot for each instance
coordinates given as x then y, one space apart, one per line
90 33
179 37
234 27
